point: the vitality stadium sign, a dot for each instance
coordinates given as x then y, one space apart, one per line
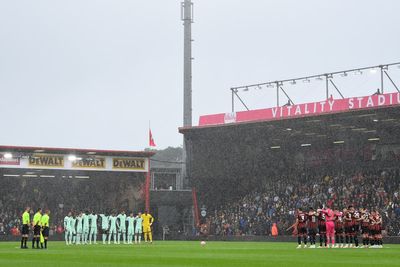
303 110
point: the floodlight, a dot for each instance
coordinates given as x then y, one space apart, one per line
339 142
72 158
358 72
275 147
305 145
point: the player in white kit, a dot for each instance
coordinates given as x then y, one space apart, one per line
79 228
104 226
113 228
67 229
73 229
138 228
93 228
121 227
131 227
85 232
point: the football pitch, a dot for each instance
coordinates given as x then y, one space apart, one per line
188 253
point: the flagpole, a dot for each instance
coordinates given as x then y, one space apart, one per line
148 176
147 188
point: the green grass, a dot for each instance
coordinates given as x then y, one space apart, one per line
172 253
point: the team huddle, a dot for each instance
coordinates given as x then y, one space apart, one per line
339 229
82 228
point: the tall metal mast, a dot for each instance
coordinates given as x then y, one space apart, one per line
187 18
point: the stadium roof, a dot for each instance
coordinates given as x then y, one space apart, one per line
75 151
361 126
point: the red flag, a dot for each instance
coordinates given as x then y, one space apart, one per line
151 140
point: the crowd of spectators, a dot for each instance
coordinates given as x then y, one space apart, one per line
279 197
61 195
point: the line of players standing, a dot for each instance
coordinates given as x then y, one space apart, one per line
82 228
347 226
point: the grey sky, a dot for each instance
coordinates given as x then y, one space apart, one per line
92 73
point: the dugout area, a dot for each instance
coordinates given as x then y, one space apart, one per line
228 160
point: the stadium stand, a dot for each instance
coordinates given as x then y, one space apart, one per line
254 214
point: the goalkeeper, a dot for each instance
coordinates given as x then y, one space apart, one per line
147 223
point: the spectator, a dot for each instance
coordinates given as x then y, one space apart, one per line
274 230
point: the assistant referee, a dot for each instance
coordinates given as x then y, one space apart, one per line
36 228
45 227
25 227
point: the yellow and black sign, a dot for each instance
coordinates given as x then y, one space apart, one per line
43 160
90 163
129 164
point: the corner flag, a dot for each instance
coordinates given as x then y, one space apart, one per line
41 238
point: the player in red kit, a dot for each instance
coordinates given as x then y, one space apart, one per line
339 229
377 237
356 219
301 223
380 223
312 226
348 226
321 228
372 222
365 222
